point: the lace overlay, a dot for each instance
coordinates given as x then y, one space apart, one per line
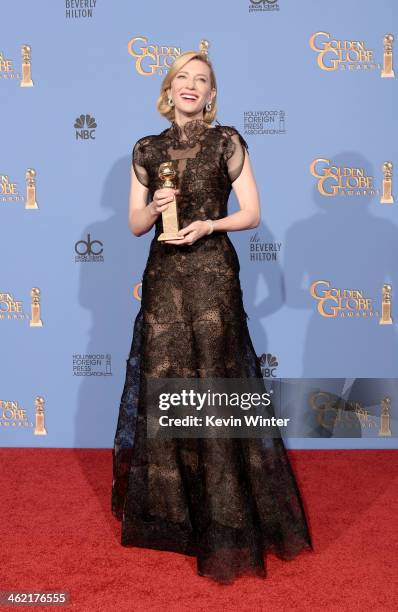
225 501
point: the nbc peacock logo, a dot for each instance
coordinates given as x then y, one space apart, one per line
268 365
85 126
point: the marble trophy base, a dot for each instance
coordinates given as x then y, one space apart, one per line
170 223
170 236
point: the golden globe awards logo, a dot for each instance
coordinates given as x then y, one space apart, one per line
13 415
333 302
346 414
151 59
8 72
12 309
332 411
9 191
137 291
336 180
348 55
349 181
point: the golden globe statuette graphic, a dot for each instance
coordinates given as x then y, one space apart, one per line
26 67
40 430
35 320
30 202
385 417
388 70
386 196
204 48
167 175
386 305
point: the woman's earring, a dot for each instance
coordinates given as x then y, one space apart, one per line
170 101
208 106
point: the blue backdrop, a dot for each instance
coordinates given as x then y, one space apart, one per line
300 105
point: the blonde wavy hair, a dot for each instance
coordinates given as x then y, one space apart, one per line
162 104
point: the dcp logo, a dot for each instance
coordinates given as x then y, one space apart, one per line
87 247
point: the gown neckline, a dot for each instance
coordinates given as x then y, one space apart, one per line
192 130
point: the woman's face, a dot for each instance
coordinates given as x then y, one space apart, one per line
191 87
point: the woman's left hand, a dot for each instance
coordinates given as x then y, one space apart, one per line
191 233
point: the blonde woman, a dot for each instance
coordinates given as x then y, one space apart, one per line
226 501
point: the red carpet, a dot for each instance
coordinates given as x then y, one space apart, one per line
57 533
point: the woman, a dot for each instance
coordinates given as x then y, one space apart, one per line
225 501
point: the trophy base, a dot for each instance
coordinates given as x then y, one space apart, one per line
387 322
384 435
26 84
170 236
387 201
387 75
39 324
40 432
31 206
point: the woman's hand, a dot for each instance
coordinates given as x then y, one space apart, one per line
162 198
191 233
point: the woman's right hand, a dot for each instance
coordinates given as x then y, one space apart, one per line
162 198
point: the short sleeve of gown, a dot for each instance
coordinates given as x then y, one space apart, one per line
235 147
138 162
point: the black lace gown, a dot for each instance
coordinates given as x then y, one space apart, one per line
225 501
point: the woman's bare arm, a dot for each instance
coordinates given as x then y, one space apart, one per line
249 215
141 215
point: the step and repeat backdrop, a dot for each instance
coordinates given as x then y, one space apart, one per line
312 87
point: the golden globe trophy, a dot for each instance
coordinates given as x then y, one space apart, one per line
385 417
40 430
387 57
167 175
26 67
35 320
386 196
386 305
30 178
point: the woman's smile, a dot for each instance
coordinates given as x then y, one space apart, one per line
189 97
